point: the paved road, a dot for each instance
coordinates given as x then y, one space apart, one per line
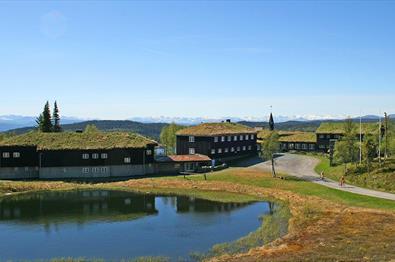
303 167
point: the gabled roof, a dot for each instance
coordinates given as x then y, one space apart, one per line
338 128
72 140
216 129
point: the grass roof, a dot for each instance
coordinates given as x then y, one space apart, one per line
289 136
338 128
216 129
308 137
72 140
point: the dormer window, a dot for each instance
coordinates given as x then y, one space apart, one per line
191 139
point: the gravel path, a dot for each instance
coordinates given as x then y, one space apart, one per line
303 167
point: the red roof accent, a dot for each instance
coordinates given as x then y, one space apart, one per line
189 158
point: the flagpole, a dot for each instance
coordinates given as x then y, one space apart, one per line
380 139
360 138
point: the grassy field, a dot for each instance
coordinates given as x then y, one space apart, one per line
380 178
325 224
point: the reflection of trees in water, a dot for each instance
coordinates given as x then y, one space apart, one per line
75 206
191 204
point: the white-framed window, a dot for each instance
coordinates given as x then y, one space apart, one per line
215 139
232 149
244 148
304 146
226 150
234 138
148 152
95 169
238 148
219 150
95 156
328 136
249 147
6 154
322 146
85 156
213 151
312 146
104 156
291 146
321 136
241 137
127 160
252 137
191 151
229 138
297 146
85 170
246 137
16 155
191 139
222 139
103 170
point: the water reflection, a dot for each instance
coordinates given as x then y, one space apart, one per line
115 224
88 206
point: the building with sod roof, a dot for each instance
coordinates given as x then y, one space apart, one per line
222 142
76 155
328 133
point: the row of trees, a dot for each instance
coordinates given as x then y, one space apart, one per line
381 143
47 122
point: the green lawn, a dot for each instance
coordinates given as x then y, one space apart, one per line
380 178
255 178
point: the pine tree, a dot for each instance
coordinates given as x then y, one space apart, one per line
56 118
46 119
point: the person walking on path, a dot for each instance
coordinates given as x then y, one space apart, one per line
322 175
342 180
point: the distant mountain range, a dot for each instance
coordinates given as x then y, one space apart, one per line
151 127
8 122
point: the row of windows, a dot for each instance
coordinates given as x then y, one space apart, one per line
95 170
233 138
14 155
323 146
298 146
232 149
328 136
105 155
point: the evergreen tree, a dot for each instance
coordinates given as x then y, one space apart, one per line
369 150
46 119
56 118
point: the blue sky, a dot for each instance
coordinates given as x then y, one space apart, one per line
114 60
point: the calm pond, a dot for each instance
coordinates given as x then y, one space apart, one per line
115 224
